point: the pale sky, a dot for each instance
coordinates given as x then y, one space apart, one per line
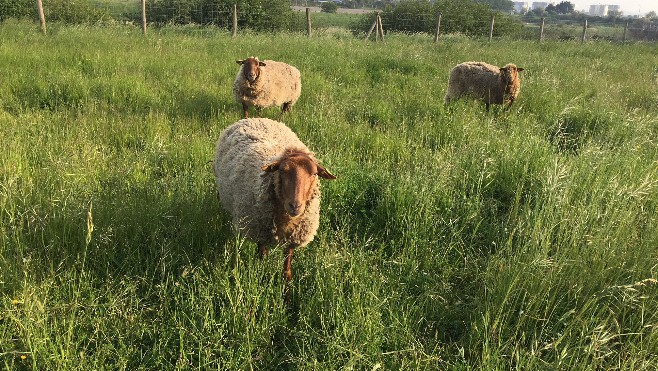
628 7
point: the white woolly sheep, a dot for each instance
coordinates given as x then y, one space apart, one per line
484 82
265 84
267 179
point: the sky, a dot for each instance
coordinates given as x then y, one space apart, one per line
628 7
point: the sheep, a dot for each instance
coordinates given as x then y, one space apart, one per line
265 84
267 180
484 82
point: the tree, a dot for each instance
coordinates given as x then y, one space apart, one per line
615 14
551 8
565 7
329 7
16 9
459 16
651 15
505 6
260 15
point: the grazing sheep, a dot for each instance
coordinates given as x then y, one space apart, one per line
267 179
267 83
484 82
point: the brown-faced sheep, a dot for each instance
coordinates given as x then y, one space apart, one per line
484 82
266 83
268 181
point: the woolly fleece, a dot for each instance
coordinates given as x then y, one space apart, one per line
482 81
277 84
248 193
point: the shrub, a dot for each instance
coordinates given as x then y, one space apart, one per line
260 15
17 9
329 7
458 16
70 12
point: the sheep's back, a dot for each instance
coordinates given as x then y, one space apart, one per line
478 79
284 83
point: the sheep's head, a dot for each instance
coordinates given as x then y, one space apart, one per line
298 174
510 73
251 68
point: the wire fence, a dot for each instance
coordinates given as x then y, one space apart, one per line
236 19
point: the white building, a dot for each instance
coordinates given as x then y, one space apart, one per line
614 8
598 10
540 5
521 7
603 10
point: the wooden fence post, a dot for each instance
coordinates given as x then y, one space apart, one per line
308 22
493 17
438 28
235 20
541 30
380 28
42 18
144 17
625 29
372 28
584 31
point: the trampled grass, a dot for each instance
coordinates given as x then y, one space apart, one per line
452 239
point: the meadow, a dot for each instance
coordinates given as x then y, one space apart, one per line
453 238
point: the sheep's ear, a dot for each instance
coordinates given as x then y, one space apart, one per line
324 173
272 166
262 64
240 62
520 69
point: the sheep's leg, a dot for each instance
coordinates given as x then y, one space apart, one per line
287 273
245 109
286 107
287 264
261 250
258 111
487 105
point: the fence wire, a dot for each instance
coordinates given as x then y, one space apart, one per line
168 12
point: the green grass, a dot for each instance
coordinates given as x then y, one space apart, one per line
452 238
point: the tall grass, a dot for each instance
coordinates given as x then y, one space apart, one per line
452 239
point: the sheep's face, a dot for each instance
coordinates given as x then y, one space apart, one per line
510 73
297 175
251 68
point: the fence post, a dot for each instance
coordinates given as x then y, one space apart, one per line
438 28
235 20
372 28
493 17
584 31
308 22
541 30
42 18
380 28
144 17
625 29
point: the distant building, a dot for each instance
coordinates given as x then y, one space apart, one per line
521 7
603 10
540 5
598 10
614 9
